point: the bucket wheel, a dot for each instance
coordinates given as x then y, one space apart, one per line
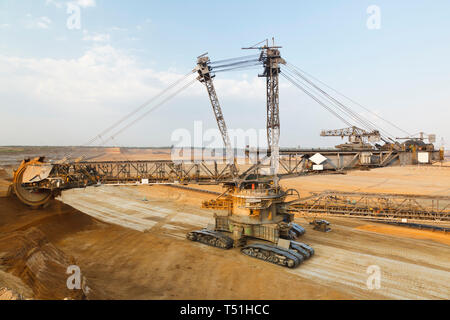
31 198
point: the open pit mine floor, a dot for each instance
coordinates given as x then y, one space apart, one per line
129 242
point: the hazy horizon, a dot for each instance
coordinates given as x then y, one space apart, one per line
63 84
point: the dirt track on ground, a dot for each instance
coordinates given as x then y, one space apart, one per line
130 243
412 268
160 264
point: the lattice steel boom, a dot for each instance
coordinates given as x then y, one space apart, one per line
205 76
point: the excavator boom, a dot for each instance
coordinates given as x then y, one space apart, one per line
205 76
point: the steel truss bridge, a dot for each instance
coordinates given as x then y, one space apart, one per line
292 162
81 174
376 205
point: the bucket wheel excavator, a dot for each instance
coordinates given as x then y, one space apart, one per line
254 209
29 170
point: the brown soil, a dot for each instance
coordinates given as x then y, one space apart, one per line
14 286
88 229
8 294
121 263
411 268
27 253
408 233
5 181
38 263
428 180
3 174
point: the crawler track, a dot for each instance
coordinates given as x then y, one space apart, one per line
299 230
273 254
305 250
211 238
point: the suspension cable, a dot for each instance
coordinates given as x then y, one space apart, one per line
239 63
314 98
307 87
152 109
350 99
245 67
137 109
99 136
367 124
252 56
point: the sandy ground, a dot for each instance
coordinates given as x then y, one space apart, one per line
414 264
130 243
159 263
428 180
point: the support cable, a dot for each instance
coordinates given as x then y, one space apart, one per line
100 136
245 67
252 56
351 100
309 91
152 109
235 64
367 124
314 98
137 109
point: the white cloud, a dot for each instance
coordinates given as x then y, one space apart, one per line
140 26
117 29
85 3
96 37
55 3
5 26
80 3
80 97
43 22
31 22
100 73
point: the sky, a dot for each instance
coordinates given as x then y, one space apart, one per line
64 80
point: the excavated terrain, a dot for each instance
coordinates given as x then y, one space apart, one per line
129 243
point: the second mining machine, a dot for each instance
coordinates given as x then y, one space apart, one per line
358 139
